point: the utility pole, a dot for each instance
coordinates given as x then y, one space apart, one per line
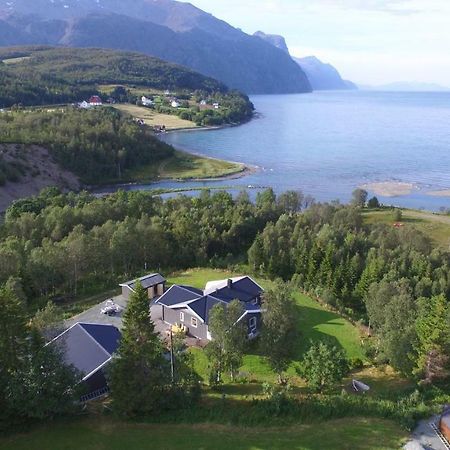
172 366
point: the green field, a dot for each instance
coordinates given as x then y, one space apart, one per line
153 118
183 166
314 323
436 226
104 434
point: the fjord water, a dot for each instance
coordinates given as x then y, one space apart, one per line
328 143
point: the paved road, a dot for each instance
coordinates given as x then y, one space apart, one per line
424 437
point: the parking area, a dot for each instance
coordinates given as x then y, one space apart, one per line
95 315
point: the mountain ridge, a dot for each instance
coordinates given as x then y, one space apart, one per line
171 30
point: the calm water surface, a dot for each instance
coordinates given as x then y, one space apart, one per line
328 143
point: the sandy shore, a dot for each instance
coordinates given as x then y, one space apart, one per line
389 188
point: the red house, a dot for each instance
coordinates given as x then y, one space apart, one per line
95 100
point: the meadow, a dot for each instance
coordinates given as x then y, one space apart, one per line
102 434
153 118
436 226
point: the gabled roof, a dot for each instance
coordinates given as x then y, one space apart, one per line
178 294
203 306
88 347
147 281
240 288
222 291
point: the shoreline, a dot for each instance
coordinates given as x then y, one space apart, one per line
244 170
111 188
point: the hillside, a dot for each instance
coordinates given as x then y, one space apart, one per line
45 75
26 169
323 76
171 30
274 39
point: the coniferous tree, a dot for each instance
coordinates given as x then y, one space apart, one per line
138 374
433 338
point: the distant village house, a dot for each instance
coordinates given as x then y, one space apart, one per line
147 101
95 100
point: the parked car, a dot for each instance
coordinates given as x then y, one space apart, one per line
110 308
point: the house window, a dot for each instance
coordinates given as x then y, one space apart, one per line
252 323
181 316
194 322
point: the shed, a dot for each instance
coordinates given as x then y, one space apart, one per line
153 283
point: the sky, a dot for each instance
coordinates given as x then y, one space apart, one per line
371 42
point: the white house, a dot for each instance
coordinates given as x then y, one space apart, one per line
84 105
216 105
146 101
203 103
175 104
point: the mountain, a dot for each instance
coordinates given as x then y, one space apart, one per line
171 30
275 39
323 76
408 86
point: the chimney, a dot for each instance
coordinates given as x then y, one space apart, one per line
229 283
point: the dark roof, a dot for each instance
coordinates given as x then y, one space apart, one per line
107 336
244 289
88 346
147 281
179 294
203 306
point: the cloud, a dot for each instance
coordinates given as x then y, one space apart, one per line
397 7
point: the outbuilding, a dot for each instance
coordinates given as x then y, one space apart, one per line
153 283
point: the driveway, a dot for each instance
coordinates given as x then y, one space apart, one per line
425 438
94 315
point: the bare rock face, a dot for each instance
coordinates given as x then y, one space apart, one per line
274 39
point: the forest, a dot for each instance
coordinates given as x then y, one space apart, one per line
56 247
391 280
97 145
45 75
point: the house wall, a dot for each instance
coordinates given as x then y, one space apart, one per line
172 316
258 321
155 291
95 382
126 291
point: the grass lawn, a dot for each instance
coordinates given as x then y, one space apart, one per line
185 165
436 226
104 434
152 118
314 323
